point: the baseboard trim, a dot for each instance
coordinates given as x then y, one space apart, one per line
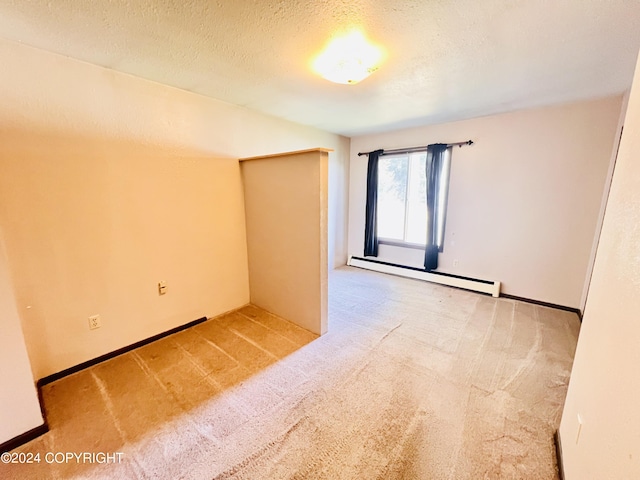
558 444
442 278
452 280
107 356
44 428
416 269
544 304
32 434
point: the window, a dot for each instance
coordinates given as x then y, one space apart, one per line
402 201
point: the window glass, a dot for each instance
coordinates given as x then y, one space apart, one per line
392 196
402 198
442 194
416 221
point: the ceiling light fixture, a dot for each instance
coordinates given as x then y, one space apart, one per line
348 59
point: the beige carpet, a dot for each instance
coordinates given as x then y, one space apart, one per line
413 381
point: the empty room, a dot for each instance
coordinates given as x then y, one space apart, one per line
324 240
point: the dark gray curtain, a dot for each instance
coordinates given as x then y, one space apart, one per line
435 163
371 214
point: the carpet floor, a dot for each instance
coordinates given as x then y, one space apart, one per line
413 381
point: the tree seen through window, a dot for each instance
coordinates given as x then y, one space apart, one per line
402 208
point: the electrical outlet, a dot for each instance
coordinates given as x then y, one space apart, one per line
94 322
162 287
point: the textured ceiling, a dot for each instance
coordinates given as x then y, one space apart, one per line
445 60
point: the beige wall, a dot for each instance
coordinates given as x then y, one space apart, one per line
605 384
19 408
286 217
109 184
523 201
93 231
82 100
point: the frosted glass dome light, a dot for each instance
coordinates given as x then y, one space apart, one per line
348 59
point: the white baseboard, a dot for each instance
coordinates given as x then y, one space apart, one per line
483 286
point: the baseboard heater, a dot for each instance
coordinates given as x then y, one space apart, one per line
473 284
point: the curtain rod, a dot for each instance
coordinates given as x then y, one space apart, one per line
415 149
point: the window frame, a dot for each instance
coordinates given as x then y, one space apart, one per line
445 193
399 243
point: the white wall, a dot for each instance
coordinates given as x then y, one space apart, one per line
523 201
19 408
109 184
605 384
286 216
603 201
